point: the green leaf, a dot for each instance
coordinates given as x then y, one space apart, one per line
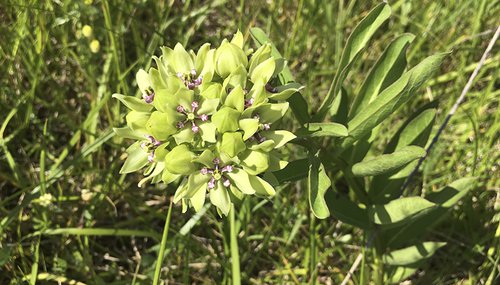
345 210
179 160
220 198
133 103
254 162
452 193
391 99
159 126
295 170
397 274
226 120
263 72
389 67
412 254
356 42
400 210
445 199
137 158
323 130
242 180
232 143
318 183
280 137
415 131
388 162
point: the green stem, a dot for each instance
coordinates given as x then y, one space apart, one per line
379 266
235 257
159 260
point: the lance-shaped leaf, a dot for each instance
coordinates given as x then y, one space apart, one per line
397 274
391 99
137 158
386 70
356 42
412 254
388 162
342 208
285 91
318 183
415 131
133 103
400 210
295 170
323 130
445 199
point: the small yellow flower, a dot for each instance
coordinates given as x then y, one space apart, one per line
45 200
87 31
88 2
94 46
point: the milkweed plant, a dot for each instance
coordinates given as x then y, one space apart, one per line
209 121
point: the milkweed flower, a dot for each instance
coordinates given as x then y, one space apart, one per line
207 120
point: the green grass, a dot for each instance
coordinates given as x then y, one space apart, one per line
55 137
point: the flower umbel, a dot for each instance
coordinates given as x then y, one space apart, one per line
207 121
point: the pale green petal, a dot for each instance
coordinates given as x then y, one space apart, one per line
137 158
208 106
220 198
236 99
241 180
226 120
206 158
143 81
280 137
208 131
181 60
159 126
263 72
254 162
179 160
232 143
249 127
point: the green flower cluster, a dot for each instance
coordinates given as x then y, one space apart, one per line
208 118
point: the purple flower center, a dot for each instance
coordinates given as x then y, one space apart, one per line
217 173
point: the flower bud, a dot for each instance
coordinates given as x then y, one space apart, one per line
228 58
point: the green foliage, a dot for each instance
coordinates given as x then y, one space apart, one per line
69 216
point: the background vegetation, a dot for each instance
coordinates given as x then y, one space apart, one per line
100 228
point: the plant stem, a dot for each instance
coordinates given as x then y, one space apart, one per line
235 257
379 265
159 260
